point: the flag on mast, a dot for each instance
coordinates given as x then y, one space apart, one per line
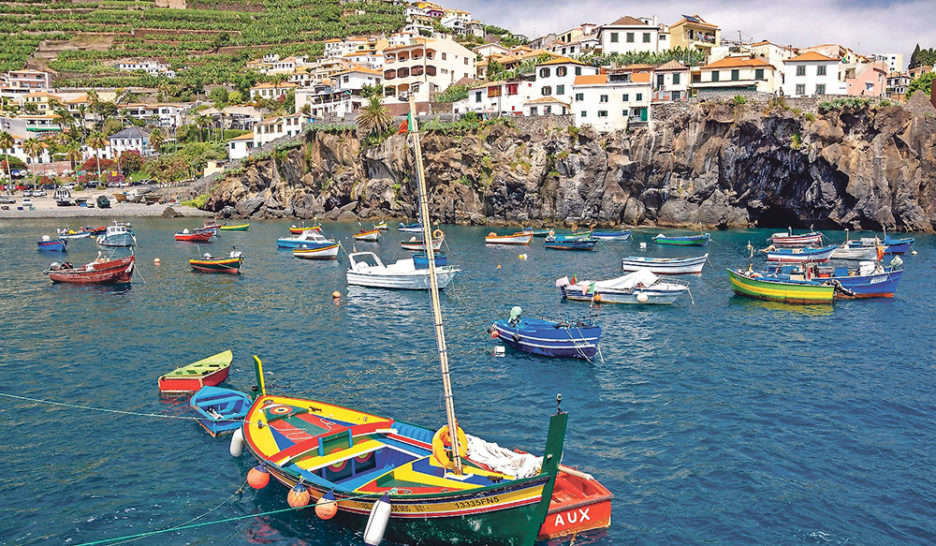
407 125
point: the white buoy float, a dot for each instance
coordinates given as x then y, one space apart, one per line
237 443
377 522
642 298
643 246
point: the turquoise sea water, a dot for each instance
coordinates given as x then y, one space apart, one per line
726 421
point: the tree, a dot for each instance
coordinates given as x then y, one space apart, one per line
219 96
6 143
130 161
156 140
235 97
73 153
33 148
290 103
923 83
97 141
914 56
374 117
368 91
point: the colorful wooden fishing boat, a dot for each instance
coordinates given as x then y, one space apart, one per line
197 236
220 411
212 226
100 271
411 228
49 244
781 239
868 280
570 242
621 235
543 232
799 255
421 261
685 240
371 235
897 246
296 230
546 337
755 285
98 231
307 239
368 270
382 226
327 252
417 244
117 235
519 238
68 233
665 266
640 287
579 503
238 227
210 264
209 371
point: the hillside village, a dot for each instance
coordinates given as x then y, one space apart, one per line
610 76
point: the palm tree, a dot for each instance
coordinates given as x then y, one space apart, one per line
33 148
98 142
6 143
156 140
73 153
374 117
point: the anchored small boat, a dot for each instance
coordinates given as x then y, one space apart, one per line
621 235
755 285
410 228
571 242
665 266
119 234
863 249
382 226
212 226
67 233
238 227
788 239
209 371
197 236
897 246
100 271
417 244
367 270
421 261
210 264
327 252
296 230
371 235
639 287
543 232
311 239
519 238
869 280
799 255
49 244
686 240
220 411
546 337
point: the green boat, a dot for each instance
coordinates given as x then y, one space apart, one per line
753 285
238 227
688 240
206 372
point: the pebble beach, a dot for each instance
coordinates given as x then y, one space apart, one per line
45 207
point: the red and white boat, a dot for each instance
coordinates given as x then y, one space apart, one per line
519 238
367 235
578 503
813 238
101 271
209 372
197 236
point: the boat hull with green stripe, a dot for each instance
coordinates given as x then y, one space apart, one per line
798 292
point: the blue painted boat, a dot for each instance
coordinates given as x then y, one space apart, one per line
612 235
411 228
421 261
570 242
868 280
548 338
685 240
897 246
220 411
52 245
310 240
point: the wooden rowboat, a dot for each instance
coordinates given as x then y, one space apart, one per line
519 238
755 285
209 264
220 411
238 227
665 266
327 252
417 245
209 371
97 272
197 236
296 230
367 235
799 255
688 240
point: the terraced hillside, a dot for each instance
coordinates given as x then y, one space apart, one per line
208 43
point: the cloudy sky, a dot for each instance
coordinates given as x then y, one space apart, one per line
867 26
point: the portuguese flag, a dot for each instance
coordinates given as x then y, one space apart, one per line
407 125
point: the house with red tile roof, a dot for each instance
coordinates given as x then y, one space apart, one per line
694 32
735 74
812 73
632 34
612 101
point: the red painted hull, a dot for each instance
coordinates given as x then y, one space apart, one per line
577 504
114 272
192 384
193 237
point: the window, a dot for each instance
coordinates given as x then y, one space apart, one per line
639 97
580 96
735 75
563 51
513 88
532 110
583 114
494 91
630 38
626 97
759 74
801 70
715 75
800 89
560 90
466 61
602 113
659 80
546 90
477 96
820 89
561 71
444 56
675 79
544 73
547 109
578 70
646 37
614 39
603 98
820 70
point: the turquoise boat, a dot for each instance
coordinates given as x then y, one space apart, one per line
686 240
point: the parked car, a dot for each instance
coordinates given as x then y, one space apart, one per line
39 193
27 202
7 200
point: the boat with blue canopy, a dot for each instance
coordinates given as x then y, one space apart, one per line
308 239
415 227
578 339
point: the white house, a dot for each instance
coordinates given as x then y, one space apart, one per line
168 114
493 48
425 66
270 91
735 74
239 147
342 96
497 98
18 82
151 67
609 102
17 129
670 82
129 139
580 45
545 106
629 34
274 128
554 78
812 73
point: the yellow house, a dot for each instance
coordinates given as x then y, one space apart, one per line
694 32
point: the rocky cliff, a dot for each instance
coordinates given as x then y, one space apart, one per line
718 164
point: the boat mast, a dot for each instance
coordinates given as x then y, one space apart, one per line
434 289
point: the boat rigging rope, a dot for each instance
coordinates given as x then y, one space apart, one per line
78 406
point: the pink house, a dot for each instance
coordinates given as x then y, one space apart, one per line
866 79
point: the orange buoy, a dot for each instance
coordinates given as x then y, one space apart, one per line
326 507
495 334
597 298
336 294
258 477
298 496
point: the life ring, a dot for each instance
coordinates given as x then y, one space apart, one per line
437 234
441 439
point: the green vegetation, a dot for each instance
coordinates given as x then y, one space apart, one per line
853 103
505 37
453 94
810 116
738 100
692 57
923 83
922 57
796 140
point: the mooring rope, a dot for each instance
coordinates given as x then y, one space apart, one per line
108 410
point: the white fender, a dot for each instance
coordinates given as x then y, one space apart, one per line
377 522
237 443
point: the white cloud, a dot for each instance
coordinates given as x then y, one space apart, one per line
871 27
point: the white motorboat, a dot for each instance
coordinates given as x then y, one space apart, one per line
119 234
665 266
367 270
864 249
641 287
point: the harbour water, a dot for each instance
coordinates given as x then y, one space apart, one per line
724 421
